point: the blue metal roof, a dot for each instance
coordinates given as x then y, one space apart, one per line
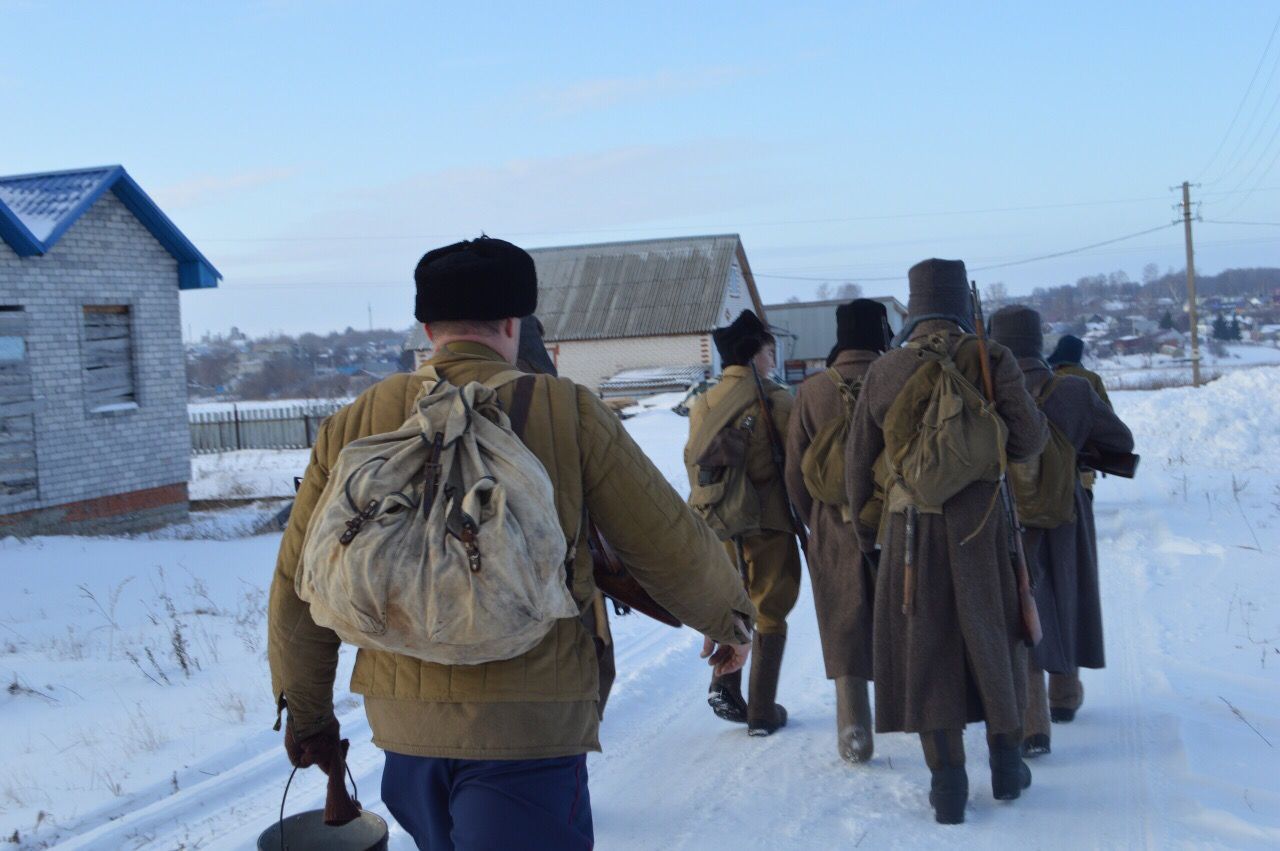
37 209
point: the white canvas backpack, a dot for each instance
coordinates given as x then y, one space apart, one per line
439 540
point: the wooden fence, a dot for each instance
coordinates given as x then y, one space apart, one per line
286 427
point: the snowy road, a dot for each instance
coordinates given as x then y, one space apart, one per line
1157 758
673 776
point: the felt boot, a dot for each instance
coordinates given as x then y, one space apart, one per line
764 715
853 720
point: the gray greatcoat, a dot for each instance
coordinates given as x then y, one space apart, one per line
842 586
959 656
1064 560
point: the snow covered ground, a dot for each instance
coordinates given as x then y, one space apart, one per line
114 741
1146 372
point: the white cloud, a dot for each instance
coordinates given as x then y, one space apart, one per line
197 190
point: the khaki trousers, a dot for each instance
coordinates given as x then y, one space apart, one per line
772 577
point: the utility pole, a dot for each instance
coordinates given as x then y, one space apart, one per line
1191 286
369 304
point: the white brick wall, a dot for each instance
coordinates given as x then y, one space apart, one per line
590 362
107 257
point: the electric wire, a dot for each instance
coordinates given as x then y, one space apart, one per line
1240 106
1239 154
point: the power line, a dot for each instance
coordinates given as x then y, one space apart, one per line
1240 151
1256 70
737 226
1075 250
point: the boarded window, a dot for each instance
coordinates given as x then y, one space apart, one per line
108 359
17 412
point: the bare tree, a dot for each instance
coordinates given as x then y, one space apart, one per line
849 290
996 294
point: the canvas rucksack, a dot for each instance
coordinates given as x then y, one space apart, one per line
720 491
823 462
1044 488
439 540
940 433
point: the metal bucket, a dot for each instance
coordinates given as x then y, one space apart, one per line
308 831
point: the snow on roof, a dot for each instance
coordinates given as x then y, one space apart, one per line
653 379
37 209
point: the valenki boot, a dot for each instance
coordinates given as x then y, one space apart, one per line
853 720
1035 723
725 698
764 715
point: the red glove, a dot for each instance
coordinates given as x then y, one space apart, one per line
329 752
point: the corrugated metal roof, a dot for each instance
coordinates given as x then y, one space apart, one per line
41 201
635 289
37 209
814 323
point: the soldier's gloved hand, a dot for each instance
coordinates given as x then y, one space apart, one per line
727 658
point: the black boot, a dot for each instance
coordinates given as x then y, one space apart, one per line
1061 714
1035 745
853 720
1009 774
725 698
949 791
948 794
764 715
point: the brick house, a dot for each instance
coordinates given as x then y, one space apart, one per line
93 421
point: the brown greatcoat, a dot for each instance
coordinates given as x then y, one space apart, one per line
543 703
842 585
1064 560
959 656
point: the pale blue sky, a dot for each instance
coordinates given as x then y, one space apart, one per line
314 150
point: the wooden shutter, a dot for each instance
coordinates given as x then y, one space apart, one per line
17 412
108 357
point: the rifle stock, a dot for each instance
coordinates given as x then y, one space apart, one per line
1032 631
1121 464
779 464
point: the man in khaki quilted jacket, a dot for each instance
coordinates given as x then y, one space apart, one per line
494 755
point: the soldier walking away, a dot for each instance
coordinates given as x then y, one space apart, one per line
1067 359
1063 548
492 754
843 577
736 480
948 635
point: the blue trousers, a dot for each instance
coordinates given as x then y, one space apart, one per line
484 805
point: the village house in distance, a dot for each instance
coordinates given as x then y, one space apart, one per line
93 397
635 318
630 319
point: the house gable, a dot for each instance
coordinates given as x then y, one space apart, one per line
36 210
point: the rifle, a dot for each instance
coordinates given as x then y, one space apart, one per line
1031 629
779 465
1122 464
